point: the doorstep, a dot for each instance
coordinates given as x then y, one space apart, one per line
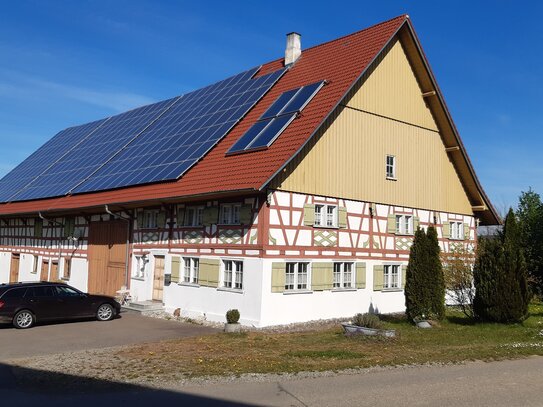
143 306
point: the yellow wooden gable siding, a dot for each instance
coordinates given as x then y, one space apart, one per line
346 158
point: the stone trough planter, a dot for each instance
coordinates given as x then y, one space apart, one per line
232 328
362 330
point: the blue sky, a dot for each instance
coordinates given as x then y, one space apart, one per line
64 63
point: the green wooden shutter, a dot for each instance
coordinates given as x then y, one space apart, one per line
211 214
378 277
322 276
360 275
342 217
180 216
309 214
38 228
404 275
69 226
161 220
246 214
416 223
466 231
278 277
140 220
209 272
446 230
176 266
391 224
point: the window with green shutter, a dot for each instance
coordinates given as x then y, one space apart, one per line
209 270
360 275
322 276
278 277
176 266
378 277
38 227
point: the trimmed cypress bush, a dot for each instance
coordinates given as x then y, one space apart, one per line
436 279
500 277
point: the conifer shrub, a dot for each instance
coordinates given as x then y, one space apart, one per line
367 320
232 316
435 275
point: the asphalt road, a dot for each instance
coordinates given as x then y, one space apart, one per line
496 384
129 328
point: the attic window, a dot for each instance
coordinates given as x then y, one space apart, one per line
276 119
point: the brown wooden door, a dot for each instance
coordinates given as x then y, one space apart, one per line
44 274
158 278
53 276
107 257
14 268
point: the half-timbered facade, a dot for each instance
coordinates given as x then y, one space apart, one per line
316 224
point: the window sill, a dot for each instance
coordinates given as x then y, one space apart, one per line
342 290
325 227
293 292
392 290
230 290
392 179
186 284
138 278
404 234
190 226
65 278
228 224
459 239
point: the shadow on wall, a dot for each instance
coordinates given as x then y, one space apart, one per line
23 387
372 309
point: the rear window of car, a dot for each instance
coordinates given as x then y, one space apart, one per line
46 291
14 293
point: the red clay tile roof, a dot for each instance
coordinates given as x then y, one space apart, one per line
340 62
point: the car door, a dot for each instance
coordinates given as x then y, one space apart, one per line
72 303
42 302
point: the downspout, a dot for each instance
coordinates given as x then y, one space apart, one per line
127 254
59 239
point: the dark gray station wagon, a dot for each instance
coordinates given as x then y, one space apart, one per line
24 304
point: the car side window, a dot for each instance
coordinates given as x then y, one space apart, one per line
14 293
66 292
46 291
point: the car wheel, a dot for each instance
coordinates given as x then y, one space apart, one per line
105 312
23 319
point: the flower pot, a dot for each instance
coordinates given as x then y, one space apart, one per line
232 328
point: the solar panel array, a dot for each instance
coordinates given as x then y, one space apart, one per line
152 143
276 119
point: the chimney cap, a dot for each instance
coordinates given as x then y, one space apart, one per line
294 33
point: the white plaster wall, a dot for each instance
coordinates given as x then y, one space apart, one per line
212 303
79 276
5 262
26 265
281 308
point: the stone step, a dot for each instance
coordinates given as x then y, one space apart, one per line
144 306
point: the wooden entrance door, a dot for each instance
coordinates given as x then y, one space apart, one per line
107 257
158 278
53 276
44 274
14 268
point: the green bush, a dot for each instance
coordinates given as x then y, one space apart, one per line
368 321
232 316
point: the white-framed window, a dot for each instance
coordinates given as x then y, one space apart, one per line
392 273
326 215
67 271
404 224
343 275
233 274
139 267
150 219
296 276
194 216
191 267
457 230
229 214
391 166
35 265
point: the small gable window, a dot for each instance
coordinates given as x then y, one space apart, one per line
391 167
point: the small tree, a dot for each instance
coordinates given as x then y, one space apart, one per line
458 273
436 280
417 300
501 286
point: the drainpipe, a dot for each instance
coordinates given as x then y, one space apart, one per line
59 238
127 254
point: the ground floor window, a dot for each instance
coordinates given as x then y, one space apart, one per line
139 270
343 275
191 267
296 276
67 269
233 274
392 276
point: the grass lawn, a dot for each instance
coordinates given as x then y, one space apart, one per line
456 339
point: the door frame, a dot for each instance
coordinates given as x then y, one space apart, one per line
162 256
15 258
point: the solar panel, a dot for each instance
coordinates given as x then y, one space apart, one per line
91 153
44 157
276 119
184 134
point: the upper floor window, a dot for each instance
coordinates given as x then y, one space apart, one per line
392 276
326 215
150 219
233 274
404 224
191 267
296 277
391 166
457 230
229 214
194 216
343 275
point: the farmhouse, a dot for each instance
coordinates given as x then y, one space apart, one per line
290 191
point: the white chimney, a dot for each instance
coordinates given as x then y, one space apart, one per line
294 48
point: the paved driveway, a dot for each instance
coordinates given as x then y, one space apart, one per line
129 328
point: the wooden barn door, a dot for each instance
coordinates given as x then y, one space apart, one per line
54 271
44 274
14 268
158 278
107 257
